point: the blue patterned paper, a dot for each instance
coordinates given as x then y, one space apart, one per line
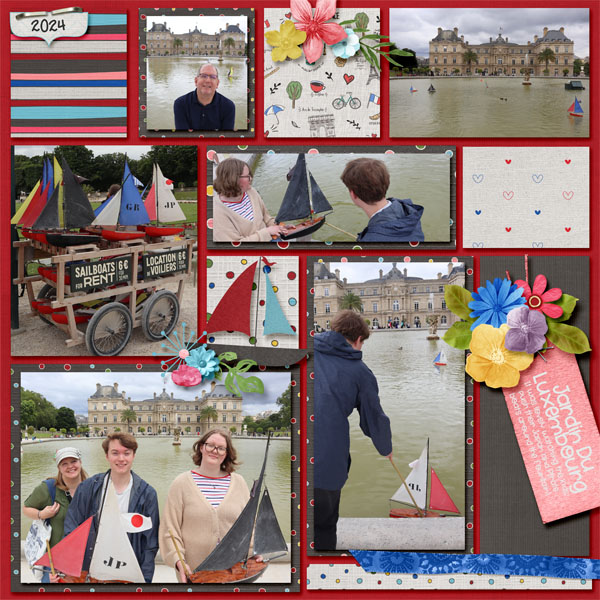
492 564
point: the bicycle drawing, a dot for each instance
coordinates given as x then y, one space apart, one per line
339 103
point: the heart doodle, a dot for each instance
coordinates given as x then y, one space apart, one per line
478 178
477 212
537 212
348 78
508 229
288 15
537 244
508 195
568 195
568 161
537 178
507 161
567 229
477 244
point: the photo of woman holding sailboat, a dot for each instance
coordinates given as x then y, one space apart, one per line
240 215
50 500
202 504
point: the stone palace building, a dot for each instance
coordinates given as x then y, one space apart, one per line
163 413
230 41
394 298
449 52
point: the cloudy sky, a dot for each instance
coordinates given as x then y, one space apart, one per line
414 27
211 25
74 389
133 152
357 272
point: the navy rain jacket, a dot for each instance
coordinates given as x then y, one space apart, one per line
342 383
400 222
142 499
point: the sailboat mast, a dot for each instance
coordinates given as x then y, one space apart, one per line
156 186
310 200
427 476
257 297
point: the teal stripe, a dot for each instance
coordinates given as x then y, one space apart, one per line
95 19
67 112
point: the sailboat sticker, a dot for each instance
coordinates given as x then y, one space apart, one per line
233 312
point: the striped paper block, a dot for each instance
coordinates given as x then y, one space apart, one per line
86 68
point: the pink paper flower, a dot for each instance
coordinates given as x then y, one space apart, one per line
186 376
317 30
538 299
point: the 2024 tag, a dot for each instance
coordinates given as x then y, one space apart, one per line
49 26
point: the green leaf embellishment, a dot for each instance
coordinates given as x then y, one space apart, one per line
457 300
244 365
567 303
568 338
459 335
251 384
227 356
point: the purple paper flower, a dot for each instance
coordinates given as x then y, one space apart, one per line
526 330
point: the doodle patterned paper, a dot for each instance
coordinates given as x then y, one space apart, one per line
330 98
526 197
75 69
282 273
352 577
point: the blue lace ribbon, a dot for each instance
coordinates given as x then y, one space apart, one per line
492 564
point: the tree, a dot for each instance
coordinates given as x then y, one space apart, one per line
188 429
52 430
117 429
285 407
142 430
72 430
229 43
351 301
31 430
63 431
96 430
545 56
233 430
294 91
42 414
127 416
470 57
177 43
65 417
208 413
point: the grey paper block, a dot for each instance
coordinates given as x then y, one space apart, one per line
509 520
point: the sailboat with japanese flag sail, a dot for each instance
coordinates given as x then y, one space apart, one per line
162 206
233 312
427 491
113 559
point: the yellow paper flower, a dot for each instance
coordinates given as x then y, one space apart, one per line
491 362
285 42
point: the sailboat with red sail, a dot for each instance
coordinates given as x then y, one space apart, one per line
428 498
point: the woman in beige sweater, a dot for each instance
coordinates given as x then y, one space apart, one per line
240 215
202 504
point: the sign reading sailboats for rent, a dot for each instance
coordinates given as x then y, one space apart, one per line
159 264
100 274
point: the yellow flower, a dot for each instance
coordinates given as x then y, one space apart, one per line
491 362
285 42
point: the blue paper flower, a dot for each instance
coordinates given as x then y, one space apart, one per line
492 303
348 47
205 361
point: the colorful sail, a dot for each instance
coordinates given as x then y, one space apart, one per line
113 557
21 211
133 211
439 498
275 320
68 554
416 481
575 108
77 210
108 212
34 209
232 313
161 204
440 359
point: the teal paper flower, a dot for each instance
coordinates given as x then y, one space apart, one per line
348 46
492 303
205 361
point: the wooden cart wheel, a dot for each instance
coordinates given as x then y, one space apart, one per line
109 330
48 292
161 312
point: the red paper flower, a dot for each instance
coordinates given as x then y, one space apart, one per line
186 376
538 299
317 30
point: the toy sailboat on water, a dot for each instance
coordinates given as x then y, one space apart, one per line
113 559
427 498
233 312
431 89
440 360
303 200
230 562
575 109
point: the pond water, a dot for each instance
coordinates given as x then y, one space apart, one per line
486 107
169 77
424 178
159 462
422 402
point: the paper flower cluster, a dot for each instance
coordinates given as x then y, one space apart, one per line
504 324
